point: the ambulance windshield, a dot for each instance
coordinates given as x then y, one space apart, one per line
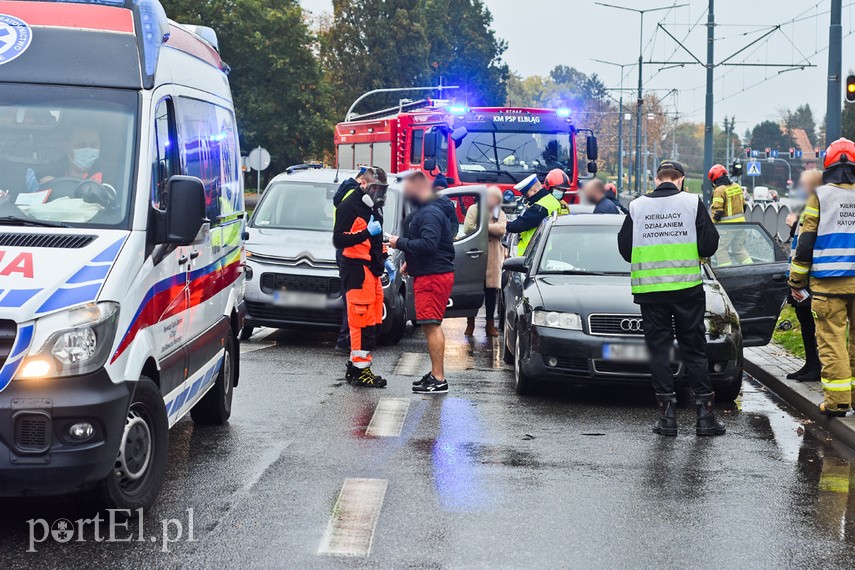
66 156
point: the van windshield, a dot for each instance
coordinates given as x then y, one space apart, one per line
66 156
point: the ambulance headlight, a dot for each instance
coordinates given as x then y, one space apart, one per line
72 342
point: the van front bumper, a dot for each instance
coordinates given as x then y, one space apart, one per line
37 454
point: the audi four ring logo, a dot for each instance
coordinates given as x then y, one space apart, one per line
630 325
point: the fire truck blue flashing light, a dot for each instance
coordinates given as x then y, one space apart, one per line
457 109
563 112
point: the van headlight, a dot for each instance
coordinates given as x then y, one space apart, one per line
77 341
556 320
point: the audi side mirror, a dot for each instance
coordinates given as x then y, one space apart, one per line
515 265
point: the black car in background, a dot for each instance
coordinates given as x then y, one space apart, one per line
570 317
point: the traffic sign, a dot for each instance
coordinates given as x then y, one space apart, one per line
774 154
259 159
799 153
753 169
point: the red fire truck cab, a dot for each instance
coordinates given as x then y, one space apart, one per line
484 145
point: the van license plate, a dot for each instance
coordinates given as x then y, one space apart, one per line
299 299
626 352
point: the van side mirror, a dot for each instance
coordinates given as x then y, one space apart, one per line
515 265
592 149
185 210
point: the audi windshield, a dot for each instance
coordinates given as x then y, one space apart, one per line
66 156
582 250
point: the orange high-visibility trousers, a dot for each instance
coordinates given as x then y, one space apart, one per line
364 297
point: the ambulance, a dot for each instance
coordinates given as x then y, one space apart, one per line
121 244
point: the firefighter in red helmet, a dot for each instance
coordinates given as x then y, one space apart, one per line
825 259
728 207
558 183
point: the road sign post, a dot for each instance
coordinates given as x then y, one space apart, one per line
259 159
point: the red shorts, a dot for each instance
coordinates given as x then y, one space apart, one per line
432 293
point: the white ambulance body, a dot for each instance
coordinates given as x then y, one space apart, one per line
121 244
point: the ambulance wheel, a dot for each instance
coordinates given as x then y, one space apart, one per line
246 332
140 468
215 407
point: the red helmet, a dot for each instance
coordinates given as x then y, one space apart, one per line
557 178
841 151
610 187
716 172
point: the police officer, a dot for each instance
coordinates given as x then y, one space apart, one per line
824 259
728 207
540 203
665 235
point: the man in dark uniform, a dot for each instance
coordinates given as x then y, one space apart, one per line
665 236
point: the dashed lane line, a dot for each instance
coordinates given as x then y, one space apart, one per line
412 364
388 418
350 531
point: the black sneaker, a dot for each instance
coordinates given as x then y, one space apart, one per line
422 380
368 379
431 385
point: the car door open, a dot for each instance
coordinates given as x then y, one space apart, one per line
752 268
470 250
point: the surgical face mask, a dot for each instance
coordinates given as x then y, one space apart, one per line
84 158
559 194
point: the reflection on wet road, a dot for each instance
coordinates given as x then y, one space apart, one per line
312 473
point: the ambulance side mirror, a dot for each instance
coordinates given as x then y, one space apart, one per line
185 210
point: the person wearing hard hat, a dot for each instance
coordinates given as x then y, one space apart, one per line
558 183
612 194
664 237
825 260
728 207
540 203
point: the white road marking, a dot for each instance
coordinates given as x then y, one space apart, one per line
350 531
253 346
388 418
412 364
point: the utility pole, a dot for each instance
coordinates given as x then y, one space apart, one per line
620 122
708 122
640 81
834 105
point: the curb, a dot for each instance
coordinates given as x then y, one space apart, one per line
804 397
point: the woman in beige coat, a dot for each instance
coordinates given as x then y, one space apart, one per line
495 256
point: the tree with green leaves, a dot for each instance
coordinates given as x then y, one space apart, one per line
801 118
465 51
280 100
769 134
374 44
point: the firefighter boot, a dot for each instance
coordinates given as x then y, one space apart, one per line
707 424
491 328
667 422
470 326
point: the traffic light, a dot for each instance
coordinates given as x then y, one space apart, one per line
748 152
768 152
850 88
736 169
792 153
817 151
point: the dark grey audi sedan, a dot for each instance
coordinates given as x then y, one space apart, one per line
570 316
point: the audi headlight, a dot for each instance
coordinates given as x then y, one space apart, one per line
556 320
72 342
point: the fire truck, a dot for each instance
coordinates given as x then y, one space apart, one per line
479 145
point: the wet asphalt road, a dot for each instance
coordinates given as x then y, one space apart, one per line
479 477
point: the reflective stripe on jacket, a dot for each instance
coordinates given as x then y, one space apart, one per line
731 202
834 249
551 205
665 243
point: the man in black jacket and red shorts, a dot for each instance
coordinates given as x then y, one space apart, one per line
358 233
429 252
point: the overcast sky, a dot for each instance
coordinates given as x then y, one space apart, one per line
592 31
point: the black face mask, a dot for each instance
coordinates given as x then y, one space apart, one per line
378 195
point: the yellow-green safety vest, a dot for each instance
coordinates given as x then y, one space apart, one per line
348 193
552 205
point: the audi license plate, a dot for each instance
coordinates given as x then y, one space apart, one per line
301 299
626 352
